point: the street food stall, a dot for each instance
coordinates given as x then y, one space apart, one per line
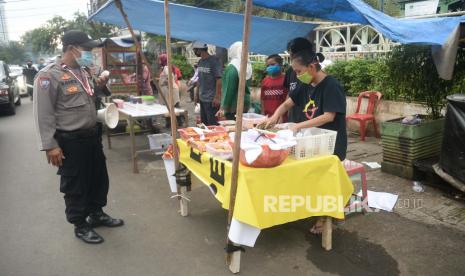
280 178
119 56
248 182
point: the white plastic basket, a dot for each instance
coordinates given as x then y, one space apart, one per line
251 120
312 142
159 142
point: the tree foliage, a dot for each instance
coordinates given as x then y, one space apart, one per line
46 38
407 74
13 53
391 7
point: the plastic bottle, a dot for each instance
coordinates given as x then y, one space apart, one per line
418 187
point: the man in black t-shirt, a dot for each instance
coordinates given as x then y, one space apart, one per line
293 85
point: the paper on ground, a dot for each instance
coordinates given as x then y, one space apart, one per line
383 201
242 233
372 165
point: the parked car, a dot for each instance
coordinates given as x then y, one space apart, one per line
17 71
9 92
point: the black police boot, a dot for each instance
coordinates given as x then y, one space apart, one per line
99 218
87 234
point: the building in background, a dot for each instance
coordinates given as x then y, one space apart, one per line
3 28
427 7
94 5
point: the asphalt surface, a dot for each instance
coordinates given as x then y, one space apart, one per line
37 240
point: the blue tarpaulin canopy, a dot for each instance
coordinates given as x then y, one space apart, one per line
441 33
428 31
267 35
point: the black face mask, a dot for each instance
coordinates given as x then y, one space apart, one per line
197 53
29 65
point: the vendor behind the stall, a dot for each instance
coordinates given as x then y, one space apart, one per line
230 83
324 102
163 80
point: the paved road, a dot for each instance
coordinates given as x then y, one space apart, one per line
37 240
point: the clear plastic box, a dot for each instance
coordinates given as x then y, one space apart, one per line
159 142
187 135
226 155
251 120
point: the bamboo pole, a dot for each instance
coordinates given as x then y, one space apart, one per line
119 5
170 84
181 191
237 137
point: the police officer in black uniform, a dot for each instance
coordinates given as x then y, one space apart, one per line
65 113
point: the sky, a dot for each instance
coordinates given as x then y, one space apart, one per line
25 15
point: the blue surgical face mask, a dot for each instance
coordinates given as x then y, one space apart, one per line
86 59
273 69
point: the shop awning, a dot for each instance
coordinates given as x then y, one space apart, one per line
267 35
121 41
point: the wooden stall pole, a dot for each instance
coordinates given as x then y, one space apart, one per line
119 5
182 191
233 258
326 237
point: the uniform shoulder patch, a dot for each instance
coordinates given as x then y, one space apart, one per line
65 76
48 67
44 82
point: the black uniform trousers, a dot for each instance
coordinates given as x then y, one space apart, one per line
83 175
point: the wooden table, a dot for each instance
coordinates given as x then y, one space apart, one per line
132 112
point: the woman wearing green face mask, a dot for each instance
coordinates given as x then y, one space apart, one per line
324 102
324 105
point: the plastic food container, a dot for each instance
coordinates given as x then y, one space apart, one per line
135 100
312 142
251 120
220 150
227 123
119 103
190 134
148 100
159 142
268 159
284 126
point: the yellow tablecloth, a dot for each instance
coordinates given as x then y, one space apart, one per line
266 197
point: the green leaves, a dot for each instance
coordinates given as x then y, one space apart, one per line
13 53
358 75
259 73
406 74
391 7
186 69
46 39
